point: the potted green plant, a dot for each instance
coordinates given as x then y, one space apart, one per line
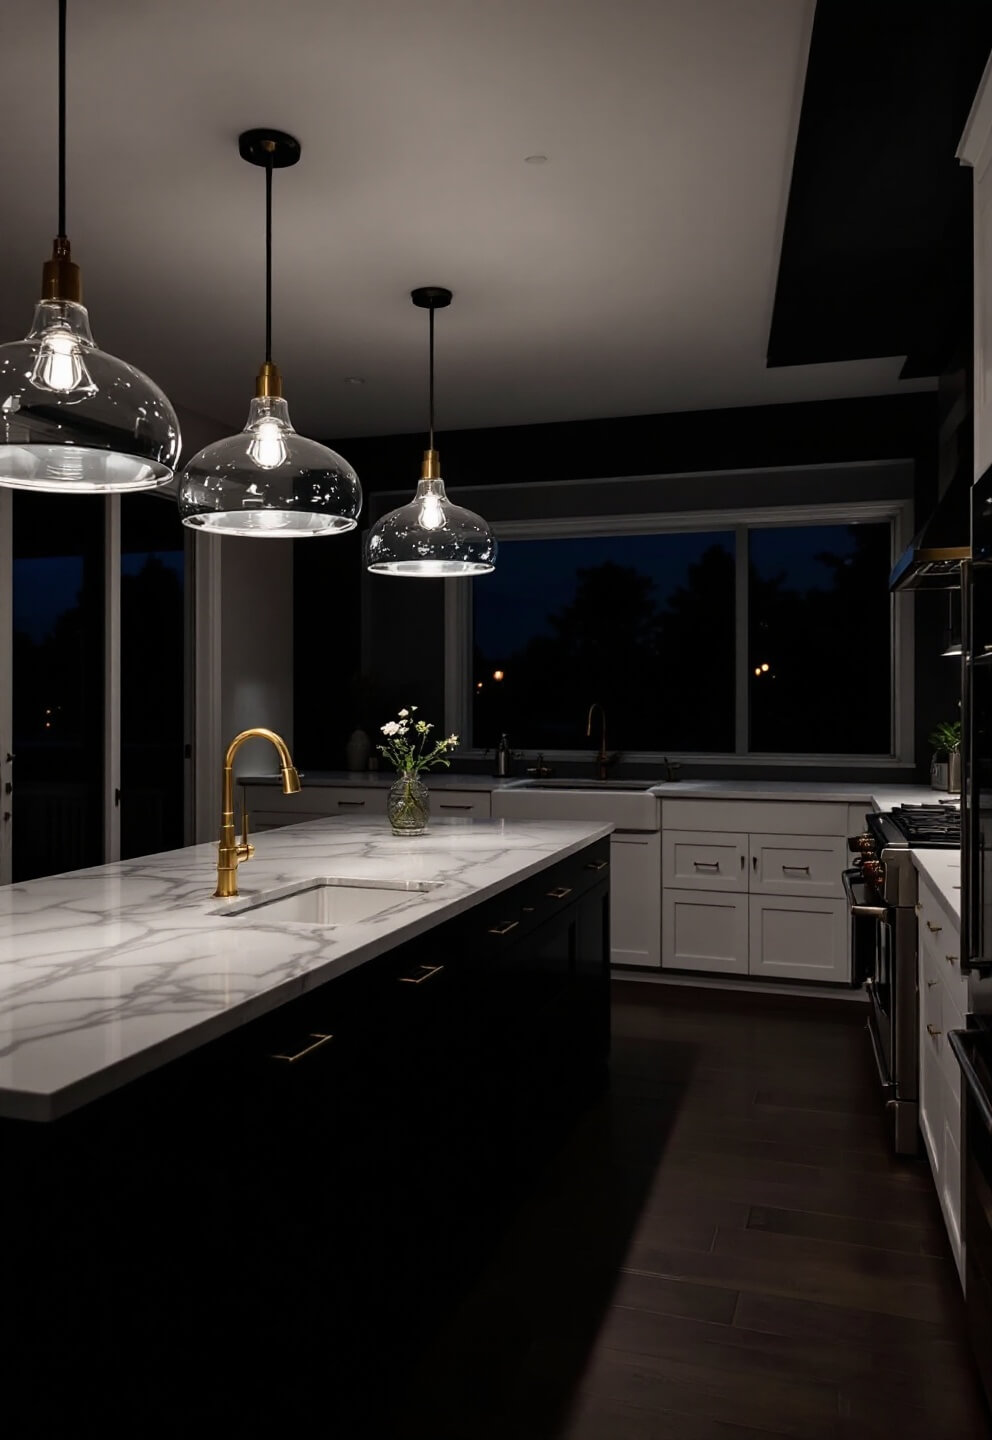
945 766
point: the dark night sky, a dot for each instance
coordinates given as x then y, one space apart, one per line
46 586
535 578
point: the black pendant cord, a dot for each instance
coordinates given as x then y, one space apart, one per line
62 10
430 445
268 263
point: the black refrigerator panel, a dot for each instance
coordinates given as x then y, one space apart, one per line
976 740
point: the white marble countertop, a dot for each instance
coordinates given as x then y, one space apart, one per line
876 792
883 796
107 973
943 870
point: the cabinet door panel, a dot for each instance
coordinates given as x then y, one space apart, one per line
704 931
635 898
795 938
797 865
704 860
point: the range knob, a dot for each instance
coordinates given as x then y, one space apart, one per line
874 871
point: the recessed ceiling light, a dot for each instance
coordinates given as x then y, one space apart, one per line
354 380
535 159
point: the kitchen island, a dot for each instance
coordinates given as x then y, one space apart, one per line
254 1157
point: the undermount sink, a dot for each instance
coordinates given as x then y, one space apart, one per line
330 901
589 784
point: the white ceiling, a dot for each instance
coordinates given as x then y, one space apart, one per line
632 273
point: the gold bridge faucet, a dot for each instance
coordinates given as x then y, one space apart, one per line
602 759
229 852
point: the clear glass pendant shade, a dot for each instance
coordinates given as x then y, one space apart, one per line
75 419
268 481
430 537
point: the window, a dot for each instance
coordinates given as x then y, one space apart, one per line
618 619
766 633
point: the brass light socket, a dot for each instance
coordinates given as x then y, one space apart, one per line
60 277
431 467
269 382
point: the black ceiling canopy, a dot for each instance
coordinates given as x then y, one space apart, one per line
872 259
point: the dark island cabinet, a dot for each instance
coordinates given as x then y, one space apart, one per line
266 1231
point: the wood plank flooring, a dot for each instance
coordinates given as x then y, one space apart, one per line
723 1249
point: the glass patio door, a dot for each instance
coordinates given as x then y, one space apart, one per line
92 694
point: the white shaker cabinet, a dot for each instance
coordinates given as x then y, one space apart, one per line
762 896
705 930
635 934
942 987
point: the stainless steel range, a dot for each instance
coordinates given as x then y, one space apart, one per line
881 888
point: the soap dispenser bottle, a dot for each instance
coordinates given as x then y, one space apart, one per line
504 756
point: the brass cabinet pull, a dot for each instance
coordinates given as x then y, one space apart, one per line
428 972
932 1032
951 959
597 864
802 869
706 864
318 1041
559 892
505 928
934 929
931 984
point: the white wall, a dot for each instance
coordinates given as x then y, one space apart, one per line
244 670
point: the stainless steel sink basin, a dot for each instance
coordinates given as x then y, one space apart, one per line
329 902
557 784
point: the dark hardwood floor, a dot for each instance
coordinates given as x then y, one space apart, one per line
723 1249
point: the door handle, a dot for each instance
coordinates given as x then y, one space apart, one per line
934 929
319 1041
754 862
429 971
933 1033
505 928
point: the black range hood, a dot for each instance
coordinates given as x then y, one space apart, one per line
933 558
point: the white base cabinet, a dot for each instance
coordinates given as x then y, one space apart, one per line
942 989
635 898
705 931
793 937
764 898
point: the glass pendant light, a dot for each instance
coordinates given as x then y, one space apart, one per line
72 418
430 536
268 482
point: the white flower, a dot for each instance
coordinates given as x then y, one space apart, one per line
391 728
452 740
405 713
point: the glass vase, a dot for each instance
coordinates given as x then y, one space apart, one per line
408 805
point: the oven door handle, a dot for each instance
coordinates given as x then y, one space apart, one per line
888 1084
963 1041
857 906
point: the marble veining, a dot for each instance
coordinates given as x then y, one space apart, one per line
109 972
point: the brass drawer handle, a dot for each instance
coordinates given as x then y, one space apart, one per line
931 984
318 1041
933 1033
706 864
428 972
951 959
934 929
597 864
802 869
559 892
505 928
